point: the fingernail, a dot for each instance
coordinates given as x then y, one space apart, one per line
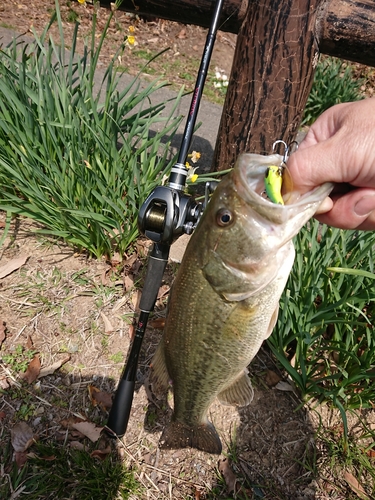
325 206
364 206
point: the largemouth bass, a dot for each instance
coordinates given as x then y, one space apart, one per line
225 298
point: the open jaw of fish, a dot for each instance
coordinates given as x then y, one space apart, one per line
225 298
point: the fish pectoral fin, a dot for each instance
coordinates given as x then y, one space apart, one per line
239 393
202 437
158 378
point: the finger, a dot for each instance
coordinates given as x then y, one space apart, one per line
325 206
354 210
312 167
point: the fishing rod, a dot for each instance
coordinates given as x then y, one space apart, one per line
166 214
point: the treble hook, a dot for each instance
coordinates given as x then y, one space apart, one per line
275 175
287 148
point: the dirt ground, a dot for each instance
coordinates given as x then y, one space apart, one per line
66 309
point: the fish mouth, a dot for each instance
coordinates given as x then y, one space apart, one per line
249 175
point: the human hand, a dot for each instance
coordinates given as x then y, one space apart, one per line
340 148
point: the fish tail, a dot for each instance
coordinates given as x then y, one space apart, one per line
203 437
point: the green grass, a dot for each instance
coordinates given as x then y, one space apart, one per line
178 71
59 472
339 454
7 26
334 83
79 160
324 335
19 359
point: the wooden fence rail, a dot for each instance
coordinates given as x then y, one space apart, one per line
344 28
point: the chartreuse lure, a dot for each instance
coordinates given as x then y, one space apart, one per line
278 181
274 182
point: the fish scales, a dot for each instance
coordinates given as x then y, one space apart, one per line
224 300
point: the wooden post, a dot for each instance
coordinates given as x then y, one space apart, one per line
272 74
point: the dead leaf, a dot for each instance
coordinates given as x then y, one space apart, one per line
228 475
89 430
69 422
136 297
157 323
12 265
272 378
29 342
2 415
102 454
197 494
4 384
116 259
284 386
131 332
2 332
182 34
104 277
143 247
22 437
46 458
20 458
97 397
163 290
33 370
355 486
108 328
136 266
128 264
119 304
128 282
49 370
77 445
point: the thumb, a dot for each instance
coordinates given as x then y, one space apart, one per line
312 166
353 210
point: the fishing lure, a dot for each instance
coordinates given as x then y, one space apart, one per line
274 181
277 179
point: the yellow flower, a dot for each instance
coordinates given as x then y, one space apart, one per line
81 1
131 29
195 155
131 39
192 176
187 164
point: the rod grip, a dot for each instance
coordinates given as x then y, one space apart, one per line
120 411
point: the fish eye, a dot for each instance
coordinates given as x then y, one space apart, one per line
224 217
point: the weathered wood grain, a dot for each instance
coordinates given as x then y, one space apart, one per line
346 29
271 78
